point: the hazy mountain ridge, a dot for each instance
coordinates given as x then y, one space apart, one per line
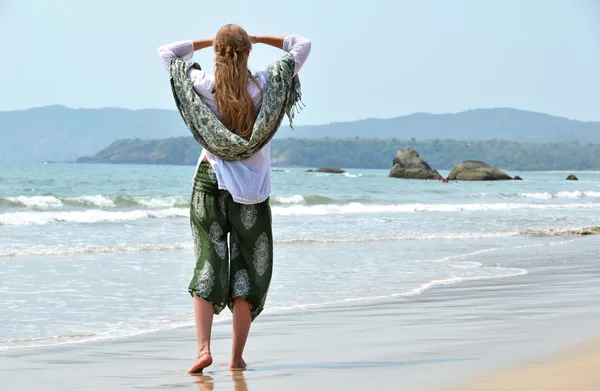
57 133
476 124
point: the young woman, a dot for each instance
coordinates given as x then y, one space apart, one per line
231 197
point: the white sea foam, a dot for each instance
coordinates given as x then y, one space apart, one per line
314 203
295 199
358 208
94 201
49 250
505 273
159 202
98 200
97 216
575 194
536 196
570 194
89 248
404 237
41 202
87 216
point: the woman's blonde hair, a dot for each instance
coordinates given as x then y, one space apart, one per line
232 47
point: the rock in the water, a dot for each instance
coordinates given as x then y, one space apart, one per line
276 170
330 170
572 178
407 164
593 230
588 231
311 170
518 178
472 170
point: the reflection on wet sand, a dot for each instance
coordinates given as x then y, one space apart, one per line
204 383
239 381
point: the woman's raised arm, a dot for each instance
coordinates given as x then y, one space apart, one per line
181 49
200 44
297 45
271 40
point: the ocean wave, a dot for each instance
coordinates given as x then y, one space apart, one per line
358 208
97 201
88 248
42 202
70 249
161 202
403 237
88 216
100 215
298 199
575 194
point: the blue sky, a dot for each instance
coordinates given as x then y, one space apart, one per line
369 59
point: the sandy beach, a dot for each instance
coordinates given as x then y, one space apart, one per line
435 341
573 369
429 226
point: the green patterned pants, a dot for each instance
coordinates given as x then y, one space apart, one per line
244 267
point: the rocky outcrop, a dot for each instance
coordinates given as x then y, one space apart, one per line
472 170
408 165
517 178
330 170
311 170
572 178
592 230
587 231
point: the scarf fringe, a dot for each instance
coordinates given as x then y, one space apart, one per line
294 101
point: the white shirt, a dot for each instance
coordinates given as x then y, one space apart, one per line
248 181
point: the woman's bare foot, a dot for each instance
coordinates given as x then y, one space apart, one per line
237 364
203 360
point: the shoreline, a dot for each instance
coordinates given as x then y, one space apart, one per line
446 336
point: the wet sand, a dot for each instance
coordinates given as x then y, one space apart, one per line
436 341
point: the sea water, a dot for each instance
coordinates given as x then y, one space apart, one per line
93 252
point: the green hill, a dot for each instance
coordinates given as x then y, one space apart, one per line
370 153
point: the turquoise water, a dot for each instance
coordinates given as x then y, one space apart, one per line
90 252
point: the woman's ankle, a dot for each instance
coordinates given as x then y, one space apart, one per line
203 349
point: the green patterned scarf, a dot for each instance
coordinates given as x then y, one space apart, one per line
280 96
